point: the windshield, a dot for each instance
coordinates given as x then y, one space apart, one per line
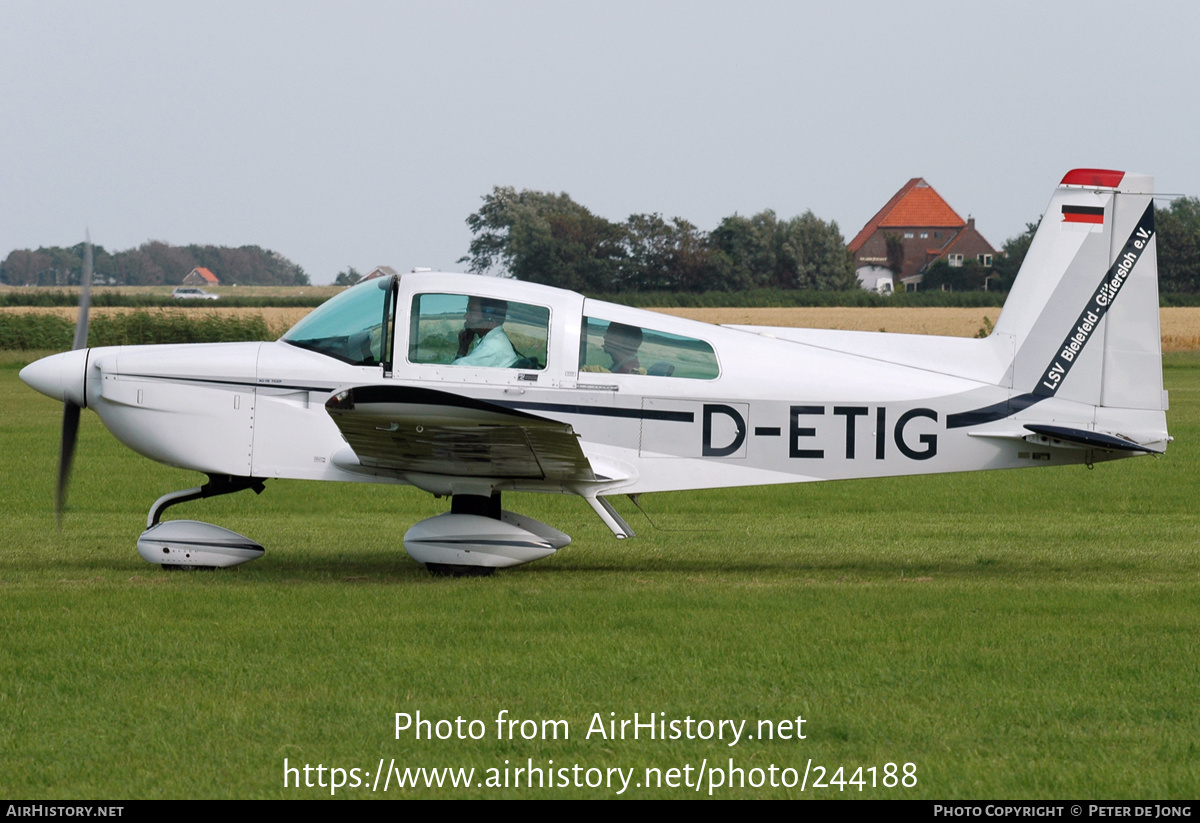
348 327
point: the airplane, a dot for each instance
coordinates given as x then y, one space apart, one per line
468 387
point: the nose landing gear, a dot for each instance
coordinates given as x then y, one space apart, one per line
184 544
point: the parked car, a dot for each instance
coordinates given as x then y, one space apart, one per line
188 293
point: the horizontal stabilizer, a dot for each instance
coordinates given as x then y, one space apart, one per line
1096 440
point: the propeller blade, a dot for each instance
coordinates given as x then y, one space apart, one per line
85 296
70 430
70 427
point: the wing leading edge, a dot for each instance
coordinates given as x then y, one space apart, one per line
408 429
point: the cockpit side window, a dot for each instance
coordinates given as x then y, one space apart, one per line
482 332
619 348
350 327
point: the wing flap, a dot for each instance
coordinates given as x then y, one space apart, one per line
408 429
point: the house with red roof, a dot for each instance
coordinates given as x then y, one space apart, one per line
201 277
914 229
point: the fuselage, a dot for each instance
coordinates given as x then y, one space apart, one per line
711 406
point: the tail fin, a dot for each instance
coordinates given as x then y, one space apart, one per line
1082 315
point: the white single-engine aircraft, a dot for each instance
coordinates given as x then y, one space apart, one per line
469 386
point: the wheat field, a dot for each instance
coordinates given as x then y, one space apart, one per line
1180 326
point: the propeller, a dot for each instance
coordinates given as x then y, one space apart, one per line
70 427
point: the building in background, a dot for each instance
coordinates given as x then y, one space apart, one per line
201 277
913 230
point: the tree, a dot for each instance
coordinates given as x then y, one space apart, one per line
894 249
549 238
970 276
545 238
742 254
765 252
53 266
822 260
666 256
347 278
1012 255
1178 229
152 263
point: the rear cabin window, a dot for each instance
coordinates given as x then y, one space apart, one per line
618 348
479 332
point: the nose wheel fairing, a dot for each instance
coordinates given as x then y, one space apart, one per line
192 543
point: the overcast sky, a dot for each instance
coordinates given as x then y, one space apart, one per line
364 133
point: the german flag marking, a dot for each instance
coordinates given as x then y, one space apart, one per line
1093 215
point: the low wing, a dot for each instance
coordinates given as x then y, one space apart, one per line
411 429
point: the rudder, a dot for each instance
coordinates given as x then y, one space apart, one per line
1082 315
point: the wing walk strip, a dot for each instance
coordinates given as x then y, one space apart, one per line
1056 371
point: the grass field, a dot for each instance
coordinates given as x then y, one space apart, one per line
1027 634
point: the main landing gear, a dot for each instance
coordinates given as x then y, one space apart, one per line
477 536
473 539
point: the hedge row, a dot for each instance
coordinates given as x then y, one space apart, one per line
52 297
45 331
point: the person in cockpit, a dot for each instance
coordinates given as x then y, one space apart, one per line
485 320
621 343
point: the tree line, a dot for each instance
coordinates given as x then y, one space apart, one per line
1178 228
151 264
549 238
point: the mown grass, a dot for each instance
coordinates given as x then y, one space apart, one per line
1026 634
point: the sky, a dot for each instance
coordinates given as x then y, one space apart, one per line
364 133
